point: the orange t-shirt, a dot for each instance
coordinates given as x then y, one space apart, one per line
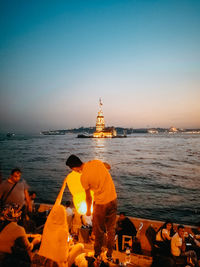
96 177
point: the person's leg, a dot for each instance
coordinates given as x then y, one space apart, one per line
98 228
120 241
192 254
111 214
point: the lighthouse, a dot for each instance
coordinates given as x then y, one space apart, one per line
100 123
101 130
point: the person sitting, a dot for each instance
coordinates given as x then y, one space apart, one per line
70 214
194 240
32 196
85 231
14 244
55 245
196 231
124 227
163 238
178 248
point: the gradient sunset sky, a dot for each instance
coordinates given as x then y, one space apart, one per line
57 58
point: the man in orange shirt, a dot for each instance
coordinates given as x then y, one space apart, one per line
96 177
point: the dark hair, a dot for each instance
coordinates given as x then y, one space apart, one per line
122 213
164 226
198 224
180 227
67 203
31 193
73 161
15 170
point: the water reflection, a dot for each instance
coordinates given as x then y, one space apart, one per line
100 148
152 173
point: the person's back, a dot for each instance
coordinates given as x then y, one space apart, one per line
124 227
96 177
9 234
55 234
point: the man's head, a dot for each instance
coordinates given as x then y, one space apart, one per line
15 175
122 216
198 226
180 230
68 203
74 163
32 195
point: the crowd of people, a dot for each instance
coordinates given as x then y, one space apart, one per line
53 247
54 241
175 248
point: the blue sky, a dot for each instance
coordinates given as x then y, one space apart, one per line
142 57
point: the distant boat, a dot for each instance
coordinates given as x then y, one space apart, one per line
53 133
10 134
84 136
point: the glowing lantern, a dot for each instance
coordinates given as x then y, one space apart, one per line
78 192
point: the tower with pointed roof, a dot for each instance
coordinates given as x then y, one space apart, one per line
101 130
100 123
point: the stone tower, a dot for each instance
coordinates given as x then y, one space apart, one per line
100 123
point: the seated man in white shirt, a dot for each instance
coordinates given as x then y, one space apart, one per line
70 214
178 247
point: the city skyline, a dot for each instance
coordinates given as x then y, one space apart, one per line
58 58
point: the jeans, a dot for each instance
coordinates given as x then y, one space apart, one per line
104 220
182 259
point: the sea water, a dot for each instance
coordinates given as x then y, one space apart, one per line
156 176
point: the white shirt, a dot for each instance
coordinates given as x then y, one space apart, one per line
69 211
176 243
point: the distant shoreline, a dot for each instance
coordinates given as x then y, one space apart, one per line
120 130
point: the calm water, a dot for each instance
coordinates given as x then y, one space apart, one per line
156 176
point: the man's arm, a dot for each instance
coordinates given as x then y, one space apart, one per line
28 201
107 165
1 190
88 201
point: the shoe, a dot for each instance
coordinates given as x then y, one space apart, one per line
98 260
97 257
109 258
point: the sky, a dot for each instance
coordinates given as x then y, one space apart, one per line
57 58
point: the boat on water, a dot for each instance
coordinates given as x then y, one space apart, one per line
53 133
141 259
10 134
84 136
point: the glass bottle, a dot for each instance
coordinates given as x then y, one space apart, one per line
128 256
